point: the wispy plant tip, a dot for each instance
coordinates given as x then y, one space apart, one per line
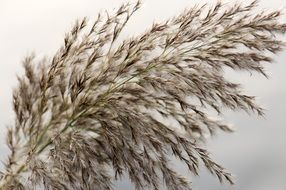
97 109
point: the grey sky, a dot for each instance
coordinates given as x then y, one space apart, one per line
256 153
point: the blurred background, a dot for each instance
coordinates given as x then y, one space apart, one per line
255 153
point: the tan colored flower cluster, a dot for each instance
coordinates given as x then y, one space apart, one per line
87 116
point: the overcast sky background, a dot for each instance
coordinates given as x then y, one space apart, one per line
255 153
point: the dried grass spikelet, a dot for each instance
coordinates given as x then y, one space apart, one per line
86 116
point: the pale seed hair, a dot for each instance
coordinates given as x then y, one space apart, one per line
90 114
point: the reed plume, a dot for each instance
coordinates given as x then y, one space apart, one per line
97 109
